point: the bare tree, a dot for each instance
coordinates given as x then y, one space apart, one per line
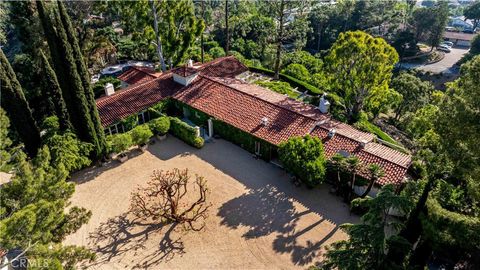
157 37
164 199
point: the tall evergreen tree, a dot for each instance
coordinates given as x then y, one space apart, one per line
84 76
54 92
69 79
14 102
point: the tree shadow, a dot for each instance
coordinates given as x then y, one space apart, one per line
126 233
263 211
266 211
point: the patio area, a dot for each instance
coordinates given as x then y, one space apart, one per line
258 218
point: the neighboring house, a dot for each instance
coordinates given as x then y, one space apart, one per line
460 22
212 96
458 38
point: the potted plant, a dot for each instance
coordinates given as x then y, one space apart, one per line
140 136
160 127
118 144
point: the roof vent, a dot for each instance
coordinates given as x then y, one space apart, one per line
363 143
331 133
264 121
109 89
324 105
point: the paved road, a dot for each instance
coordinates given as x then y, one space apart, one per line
444 66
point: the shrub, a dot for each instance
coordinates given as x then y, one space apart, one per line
279 87
129 122
118 143
297 71
305 158
68 150
291 80
160 125
185 132
141 134
216 52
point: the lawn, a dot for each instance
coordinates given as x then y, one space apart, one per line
258 218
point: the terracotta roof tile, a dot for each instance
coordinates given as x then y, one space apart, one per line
228 66
244 111
135 98
136 75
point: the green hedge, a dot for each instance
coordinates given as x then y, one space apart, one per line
185 132
291 80
242 139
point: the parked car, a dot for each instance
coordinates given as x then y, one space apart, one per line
444 48
448 43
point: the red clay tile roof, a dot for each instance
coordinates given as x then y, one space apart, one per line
217 93
135 98
244 111
394 163
136 75
227 66
185 71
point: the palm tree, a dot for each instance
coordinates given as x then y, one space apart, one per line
353 164
338 164
376 172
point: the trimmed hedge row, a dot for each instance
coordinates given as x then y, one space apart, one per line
291 80
185 132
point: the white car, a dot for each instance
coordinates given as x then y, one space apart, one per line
448 43
444 48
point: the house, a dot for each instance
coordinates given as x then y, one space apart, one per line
459 38
212 96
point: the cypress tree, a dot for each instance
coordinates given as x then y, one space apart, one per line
84 76
54 92
14 102
69 79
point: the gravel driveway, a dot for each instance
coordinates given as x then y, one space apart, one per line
258 220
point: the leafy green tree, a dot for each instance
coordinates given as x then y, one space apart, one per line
472 12
279 11
54 93
32 211
14 102
305 158
297 71
414 92
160 125
363 68
119 143
5 141
141 134
353 166
73 78
216 52
368 242
429 23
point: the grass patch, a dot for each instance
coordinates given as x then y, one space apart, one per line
369 127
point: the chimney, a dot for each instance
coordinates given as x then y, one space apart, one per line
324 105
363 143
264 121
331 133
109 89
186 74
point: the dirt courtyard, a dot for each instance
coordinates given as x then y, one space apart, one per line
258 220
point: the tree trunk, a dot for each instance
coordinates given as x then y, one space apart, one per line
279 40
227 31
157 37
352 185
369 188
201 36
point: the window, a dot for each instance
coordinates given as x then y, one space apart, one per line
141 118
114 129
257 148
